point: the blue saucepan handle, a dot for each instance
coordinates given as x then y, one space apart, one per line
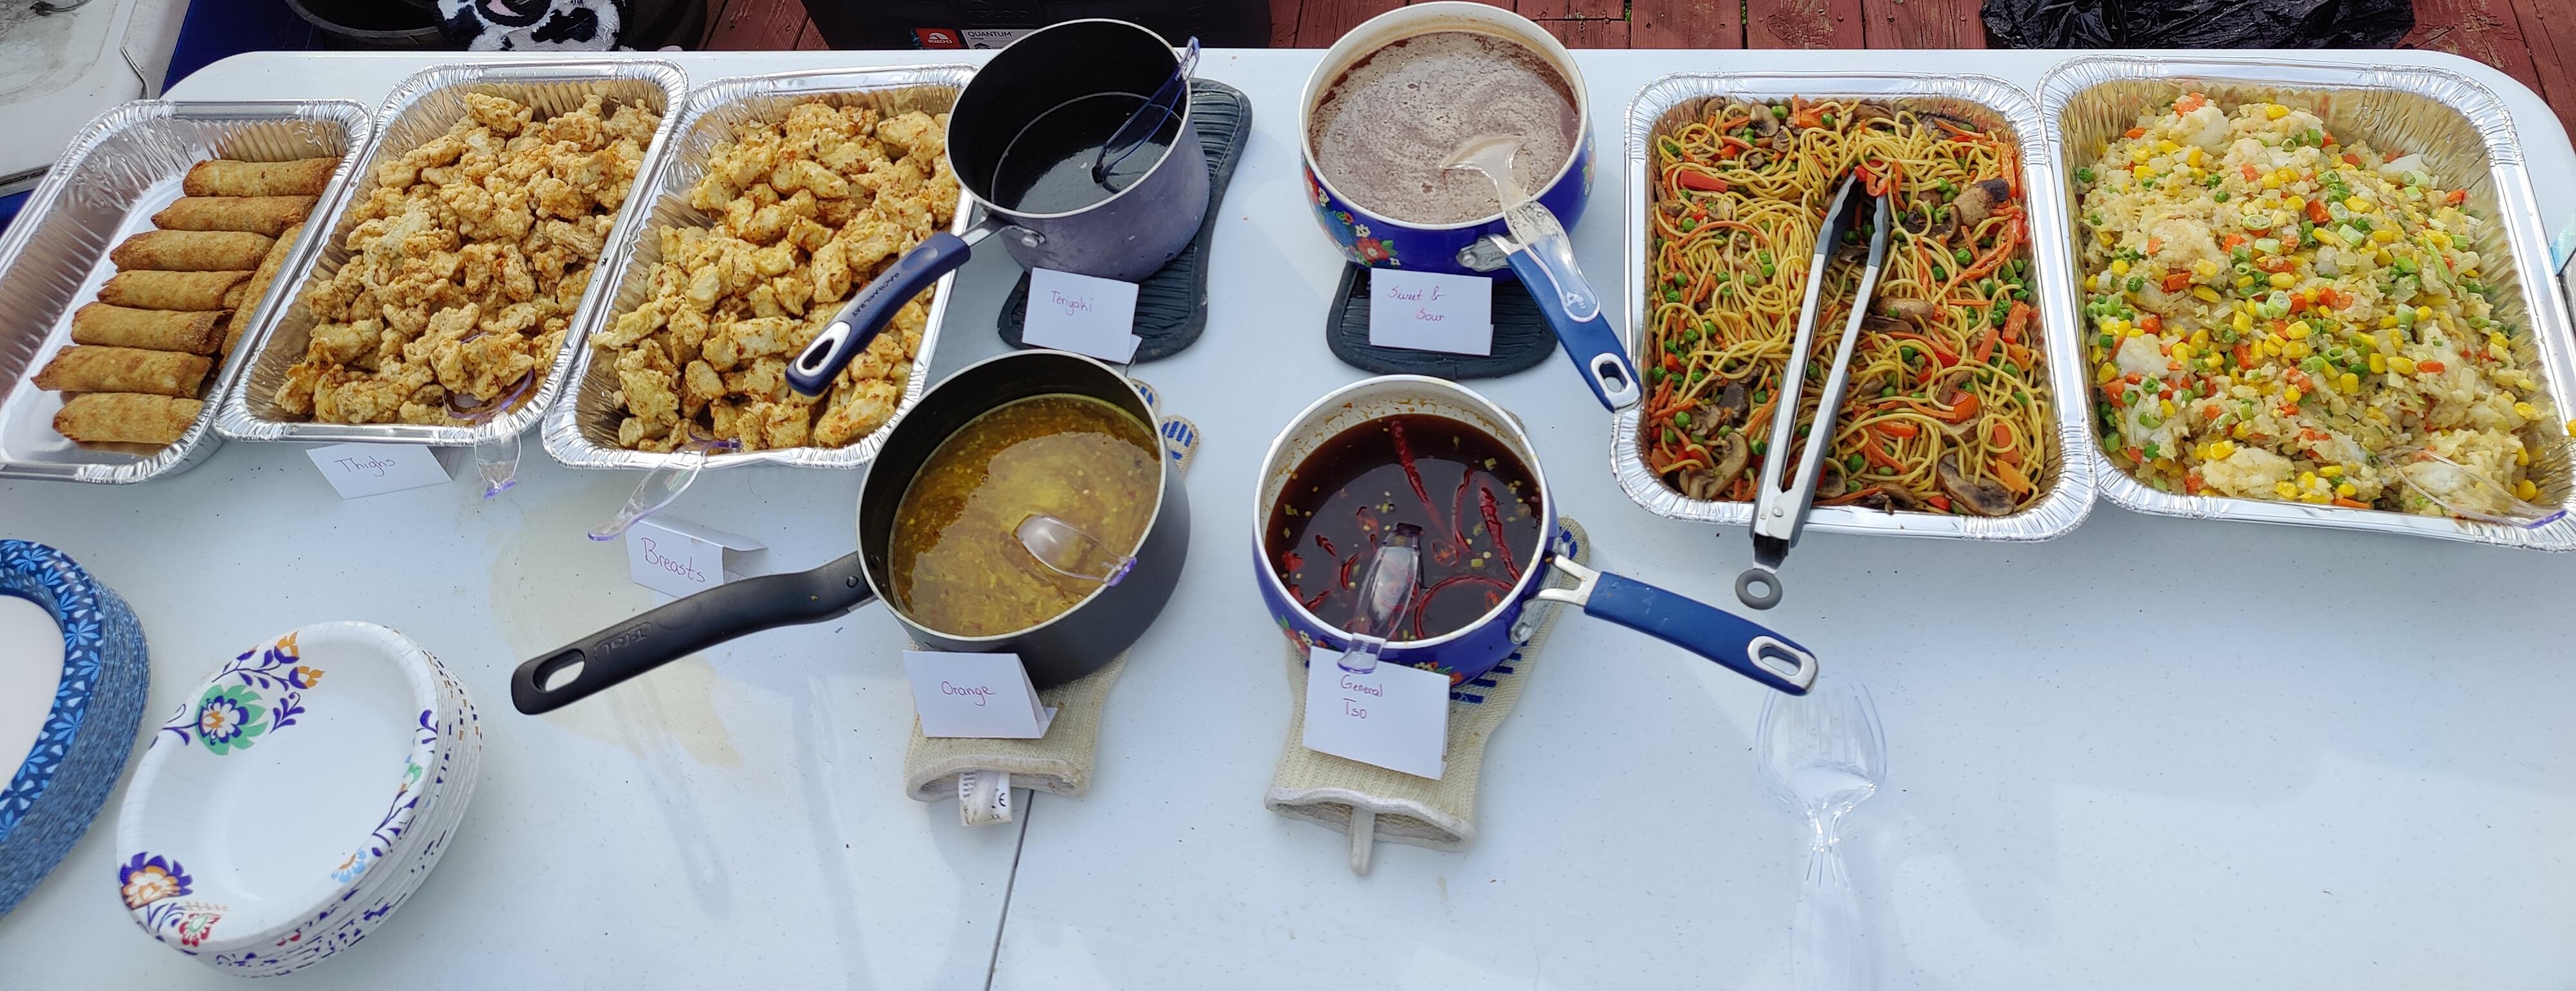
1753 650
868 312
1587 336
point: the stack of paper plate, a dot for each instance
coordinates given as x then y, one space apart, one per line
297 798
73 675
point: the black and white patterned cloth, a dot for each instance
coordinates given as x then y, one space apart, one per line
535 25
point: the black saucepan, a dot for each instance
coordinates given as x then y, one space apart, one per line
1074 643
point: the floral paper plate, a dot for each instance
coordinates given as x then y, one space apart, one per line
67 717
295 798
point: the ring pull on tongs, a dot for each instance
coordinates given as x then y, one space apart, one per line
1780 511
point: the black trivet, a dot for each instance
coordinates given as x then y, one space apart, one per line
1172 303
1521 336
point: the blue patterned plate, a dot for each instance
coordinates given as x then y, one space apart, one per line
49 794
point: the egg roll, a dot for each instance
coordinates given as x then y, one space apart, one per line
257 214
112 369
225 177
125 418
172 290
192 332
191 251
244 299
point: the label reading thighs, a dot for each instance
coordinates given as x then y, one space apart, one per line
371 469
1081 314
1428 311
1395 717
986 696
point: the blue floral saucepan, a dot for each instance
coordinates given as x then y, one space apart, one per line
1447 417
1532 244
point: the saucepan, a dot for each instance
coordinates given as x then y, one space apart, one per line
1071 644
1530 243
1462 420
1081 150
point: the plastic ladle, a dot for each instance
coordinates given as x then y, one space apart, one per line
663 484
1385 592
2470 481
1072 551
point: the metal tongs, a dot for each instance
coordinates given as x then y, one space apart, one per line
1780 511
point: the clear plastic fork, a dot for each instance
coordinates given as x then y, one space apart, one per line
1823 754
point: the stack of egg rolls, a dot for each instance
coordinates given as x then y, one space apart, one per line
180 300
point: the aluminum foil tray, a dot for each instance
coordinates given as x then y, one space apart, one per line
1992 103
583 432
2465 135
422 108
122 168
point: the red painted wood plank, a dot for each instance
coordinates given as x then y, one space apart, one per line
1922 24
758 26
1320 22
2550 28
1685 24
1283 22
1549 10
2485 30
810 39
1802 24
1589 32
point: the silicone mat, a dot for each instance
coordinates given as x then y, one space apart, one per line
1522 337
1172 303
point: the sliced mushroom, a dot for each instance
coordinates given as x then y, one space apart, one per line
1889 500
1976 495
1732 455
1977 202
1960 431
1757 159
1700 483
1829 480
1764 125
1917 310
1867 112
1732 404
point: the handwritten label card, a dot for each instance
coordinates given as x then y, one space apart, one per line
678 558
1081 314
985 696
1395 717
372 469
1428 311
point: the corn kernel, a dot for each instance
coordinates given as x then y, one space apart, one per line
2307 479
2522 457
2272 181
2119 266
2358 205
2204 268
2401 364
2346 490
2275 111
2182 351
2378 363
2168 408
2205 294
2387 322
2244 321
2525 411
2526 491
2349 382
2222 450
2326 235
2283 280
2298 329
2193 157
2382 258
2243 281
2092 283
2104 374
2423 313
2571 428
2330 471
2295 350
2142 172
2291 395
2286 490
2437 239
2245 431
2384 235
2141 152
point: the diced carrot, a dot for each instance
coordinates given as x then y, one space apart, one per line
2016 323
2317 211
2136 455
2244 356
1962 412
2232 241
2012 477
2136 132
2352 160
2351 503
2430 367
2298 305
1941 503
2134 378
1672 362
2155 244
2250 173
1896 428
2176 282
1985 345
2191 483
2459 196
2190 102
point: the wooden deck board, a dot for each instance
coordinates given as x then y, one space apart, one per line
1685 24
1802 24
1922 24
2534 41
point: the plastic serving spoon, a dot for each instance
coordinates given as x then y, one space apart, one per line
1385 595
2517 512
1823 754
1542 257
1072 551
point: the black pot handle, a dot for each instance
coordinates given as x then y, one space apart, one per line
678 629
867 313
